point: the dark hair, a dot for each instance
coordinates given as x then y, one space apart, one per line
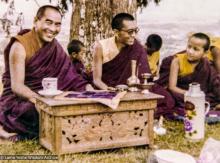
203 37
74 46
117 21
42 9
154 41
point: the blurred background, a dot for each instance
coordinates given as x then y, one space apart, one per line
172 19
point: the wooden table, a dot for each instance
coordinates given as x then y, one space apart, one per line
73 126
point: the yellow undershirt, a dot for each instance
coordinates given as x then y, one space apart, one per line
185 68
153 60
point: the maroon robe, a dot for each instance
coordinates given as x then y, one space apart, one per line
166 105
19 115
204 74
81 70
118 70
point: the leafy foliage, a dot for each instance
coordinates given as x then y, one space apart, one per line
5 1
64 3
144 3
140 3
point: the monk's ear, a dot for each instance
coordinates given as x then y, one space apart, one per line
35 19
73 54
190 34
115 31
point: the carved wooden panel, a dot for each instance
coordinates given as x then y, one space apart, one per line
70 127
87 130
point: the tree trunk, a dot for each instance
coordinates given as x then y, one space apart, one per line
91 20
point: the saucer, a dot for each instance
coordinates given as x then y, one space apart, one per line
121 87
133 89
51 93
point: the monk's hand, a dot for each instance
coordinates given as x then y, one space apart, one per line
33 100
89 87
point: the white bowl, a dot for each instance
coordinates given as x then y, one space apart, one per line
171 156
159 130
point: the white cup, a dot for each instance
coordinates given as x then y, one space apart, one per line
49 84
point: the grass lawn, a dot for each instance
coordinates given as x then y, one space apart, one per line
174 139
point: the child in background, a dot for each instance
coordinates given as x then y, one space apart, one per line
76 50
153 45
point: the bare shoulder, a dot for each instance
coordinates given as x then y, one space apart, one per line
97 49
17 50
97 45
174 64
175 61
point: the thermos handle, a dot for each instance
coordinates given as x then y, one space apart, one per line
207 107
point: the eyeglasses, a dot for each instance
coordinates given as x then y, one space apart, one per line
131 31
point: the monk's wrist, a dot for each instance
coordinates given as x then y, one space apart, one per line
33 99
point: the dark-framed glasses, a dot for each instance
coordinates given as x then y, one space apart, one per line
131 31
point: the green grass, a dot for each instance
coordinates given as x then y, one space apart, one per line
174 139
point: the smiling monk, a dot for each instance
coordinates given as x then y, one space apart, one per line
29 57
112 56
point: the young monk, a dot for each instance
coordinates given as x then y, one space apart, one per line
152 46
192 66
184 64
76 50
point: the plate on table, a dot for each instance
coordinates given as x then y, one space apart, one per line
122 87
47 93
